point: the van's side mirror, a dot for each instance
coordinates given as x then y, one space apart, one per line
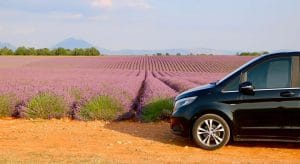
246 88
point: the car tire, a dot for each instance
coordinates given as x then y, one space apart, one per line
211 132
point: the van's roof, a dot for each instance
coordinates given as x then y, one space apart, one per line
296 53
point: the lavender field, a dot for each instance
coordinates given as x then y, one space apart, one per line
133 81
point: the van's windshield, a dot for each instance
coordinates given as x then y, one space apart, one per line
241 67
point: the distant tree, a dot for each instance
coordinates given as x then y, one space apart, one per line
59 52
265 52
78 52
6 51
159 54
91 52
167 54
69 52
252 53
43 52
22 51
178 54
31 51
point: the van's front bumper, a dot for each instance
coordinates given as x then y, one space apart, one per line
180 126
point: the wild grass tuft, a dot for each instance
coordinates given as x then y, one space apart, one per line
76 94
7 106
159 109
100 108
46 106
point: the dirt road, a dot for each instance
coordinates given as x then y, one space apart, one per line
65 141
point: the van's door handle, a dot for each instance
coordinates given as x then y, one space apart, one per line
287 94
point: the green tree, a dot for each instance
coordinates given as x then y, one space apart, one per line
21 51
31 51
265 52
91 52
43 52
252 53
59 52
68 52
6 51
78 52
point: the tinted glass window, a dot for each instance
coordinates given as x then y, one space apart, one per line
296 71
275 73
233 85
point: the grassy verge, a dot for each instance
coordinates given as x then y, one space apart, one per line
159 109
7 106
46 106
100 108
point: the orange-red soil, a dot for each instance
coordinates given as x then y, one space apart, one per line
65 141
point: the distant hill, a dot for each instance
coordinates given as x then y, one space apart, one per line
72 43
7 45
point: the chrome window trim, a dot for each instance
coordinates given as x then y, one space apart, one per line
229 91
275 89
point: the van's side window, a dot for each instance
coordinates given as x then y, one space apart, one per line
297 75
275 73
298 81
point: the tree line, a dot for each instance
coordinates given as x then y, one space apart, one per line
179 54
252 53
24 51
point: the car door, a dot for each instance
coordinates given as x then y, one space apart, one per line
294 105
262 114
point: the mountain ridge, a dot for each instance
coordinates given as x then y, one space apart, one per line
72 43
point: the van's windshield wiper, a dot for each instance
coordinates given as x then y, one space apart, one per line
214 83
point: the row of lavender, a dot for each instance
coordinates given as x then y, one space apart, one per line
80 79
74 85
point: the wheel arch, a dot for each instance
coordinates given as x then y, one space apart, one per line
225 115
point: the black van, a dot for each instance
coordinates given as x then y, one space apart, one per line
260 101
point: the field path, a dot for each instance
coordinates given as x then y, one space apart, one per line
36 141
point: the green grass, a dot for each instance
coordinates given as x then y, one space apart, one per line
100 108
158 109
7 105
76 94
46 106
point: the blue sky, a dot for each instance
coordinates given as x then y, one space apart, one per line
249 25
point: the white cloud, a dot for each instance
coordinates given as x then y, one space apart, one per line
101 3
141 4
136 4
